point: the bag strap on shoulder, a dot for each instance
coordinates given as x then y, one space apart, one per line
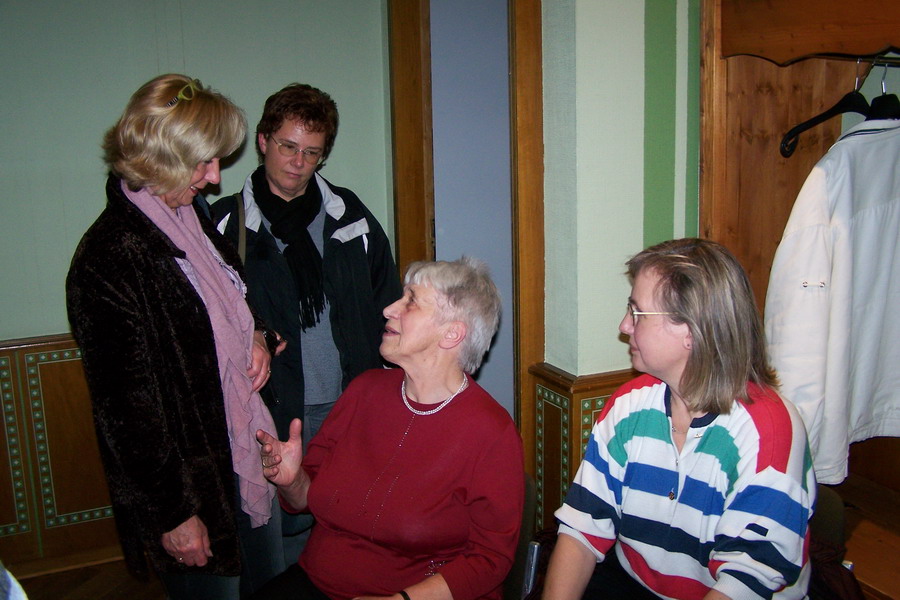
242 228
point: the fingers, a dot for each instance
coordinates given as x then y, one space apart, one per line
266 439
189 543
270 461
207 548
191 554
295 430
260 380
260 362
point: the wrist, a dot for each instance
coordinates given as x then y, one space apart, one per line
295 491
270 339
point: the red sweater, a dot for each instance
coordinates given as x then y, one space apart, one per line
399 496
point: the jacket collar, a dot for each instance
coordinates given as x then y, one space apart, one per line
120 207
334 205
871 127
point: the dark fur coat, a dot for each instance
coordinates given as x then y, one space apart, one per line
150 361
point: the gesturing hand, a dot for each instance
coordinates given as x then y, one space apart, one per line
281 463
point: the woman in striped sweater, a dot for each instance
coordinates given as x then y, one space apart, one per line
697 480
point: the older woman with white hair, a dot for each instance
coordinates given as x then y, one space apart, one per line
416 476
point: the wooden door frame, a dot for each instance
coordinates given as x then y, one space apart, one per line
410 43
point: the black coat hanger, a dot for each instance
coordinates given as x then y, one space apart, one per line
851 102
885 106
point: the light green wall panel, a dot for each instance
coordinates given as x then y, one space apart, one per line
621 139
659 119
69 69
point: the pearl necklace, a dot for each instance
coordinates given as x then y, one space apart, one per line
423 413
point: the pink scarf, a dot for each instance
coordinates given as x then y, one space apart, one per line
222 291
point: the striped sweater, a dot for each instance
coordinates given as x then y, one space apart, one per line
730 512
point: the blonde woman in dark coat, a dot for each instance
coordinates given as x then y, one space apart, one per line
173 356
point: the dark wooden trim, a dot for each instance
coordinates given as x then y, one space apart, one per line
40 340
414 172
583 384
566 407
747 105
784 32
526 108
410 60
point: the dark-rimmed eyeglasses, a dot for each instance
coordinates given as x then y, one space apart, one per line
287 149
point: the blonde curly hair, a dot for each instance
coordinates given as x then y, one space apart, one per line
171 124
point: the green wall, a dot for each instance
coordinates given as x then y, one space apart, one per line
69 69
671 119
621 142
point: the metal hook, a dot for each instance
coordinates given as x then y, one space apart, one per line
856 85
883 76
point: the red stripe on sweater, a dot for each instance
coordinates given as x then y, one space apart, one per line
773 422
673 586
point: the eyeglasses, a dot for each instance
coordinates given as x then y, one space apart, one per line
288 149
186 93
640 313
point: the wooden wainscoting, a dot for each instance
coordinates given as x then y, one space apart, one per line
54 505
566 407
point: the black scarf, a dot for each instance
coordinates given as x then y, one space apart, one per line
290 224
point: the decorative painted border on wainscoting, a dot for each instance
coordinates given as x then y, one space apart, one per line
566 407
549 401
34 392
13 430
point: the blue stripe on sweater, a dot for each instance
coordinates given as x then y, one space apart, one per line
582 500
592 457
674 540
763 552
772 504
666 537
702 497
751 582
651 479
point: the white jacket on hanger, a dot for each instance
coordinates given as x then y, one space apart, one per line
833 305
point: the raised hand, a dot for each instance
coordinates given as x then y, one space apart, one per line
281 462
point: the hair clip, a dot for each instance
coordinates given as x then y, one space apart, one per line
186 93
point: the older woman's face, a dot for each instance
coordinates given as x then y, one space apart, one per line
411 327
206 172
658 345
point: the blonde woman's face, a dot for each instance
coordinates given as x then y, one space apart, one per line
658 345
206 172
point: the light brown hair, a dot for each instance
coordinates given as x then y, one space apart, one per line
704 285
